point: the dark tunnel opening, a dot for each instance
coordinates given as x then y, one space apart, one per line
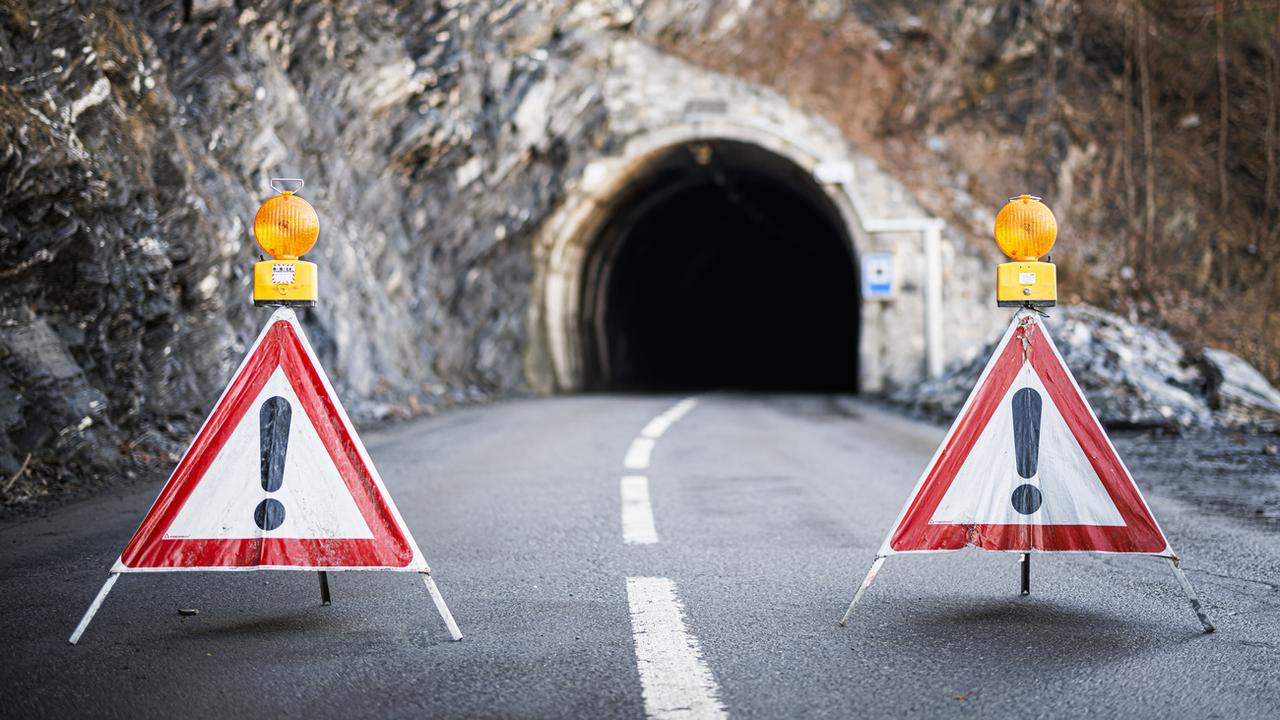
724 266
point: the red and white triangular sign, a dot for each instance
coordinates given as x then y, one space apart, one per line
1027 466
277 478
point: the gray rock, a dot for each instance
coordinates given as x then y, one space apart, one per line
1239 395
1132 375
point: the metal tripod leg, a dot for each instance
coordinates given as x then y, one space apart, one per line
1191 594
93 608
324 589
443 609
866 583
1026 573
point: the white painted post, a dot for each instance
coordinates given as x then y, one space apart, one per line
840 173
933 301
931 230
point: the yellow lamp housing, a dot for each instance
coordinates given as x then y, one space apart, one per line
285 282
1026 283
286 227
1025 230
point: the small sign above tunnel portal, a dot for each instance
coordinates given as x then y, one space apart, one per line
877 277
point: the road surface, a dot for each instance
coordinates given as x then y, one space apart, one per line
748 521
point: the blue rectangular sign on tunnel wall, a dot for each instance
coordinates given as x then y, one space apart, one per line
877 276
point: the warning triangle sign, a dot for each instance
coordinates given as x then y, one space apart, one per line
1027 466
276 478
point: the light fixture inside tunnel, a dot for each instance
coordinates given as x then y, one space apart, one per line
722 266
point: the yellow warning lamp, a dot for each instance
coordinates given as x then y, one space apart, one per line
286 227
1025 231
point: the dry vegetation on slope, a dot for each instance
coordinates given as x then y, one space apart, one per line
1150 128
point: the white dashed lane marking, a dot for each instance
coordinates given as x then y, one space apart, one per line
637 513
674 679
638 454
663 422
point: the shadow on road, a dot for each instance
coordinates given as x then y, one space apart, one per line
1071 635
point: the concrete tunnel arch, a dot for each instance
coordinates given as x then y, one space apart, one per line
700 258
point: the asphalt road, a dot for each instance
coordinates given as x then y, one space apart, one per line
767 512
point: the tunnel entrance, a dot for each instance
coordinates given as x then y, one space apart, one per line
721 266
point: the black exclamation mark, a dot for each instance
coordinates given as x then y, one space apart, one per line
273 422
1026 446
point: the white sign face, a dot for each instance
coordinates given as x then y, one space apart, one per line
877 276
1067 490
1027 278
282 274
316 502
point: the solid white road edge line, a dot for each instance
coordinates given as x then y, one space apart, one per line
637 513
674 679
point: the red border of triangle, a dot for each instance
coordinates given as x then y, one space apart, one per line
280 347
1139 534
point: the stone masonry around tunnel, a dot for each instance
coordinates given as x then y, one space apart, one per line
595 321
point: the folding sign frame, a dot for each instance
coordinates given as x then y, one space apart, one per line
276 479
1026 467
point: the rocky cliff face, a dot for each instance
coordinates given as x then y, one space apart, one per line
136 142
436 138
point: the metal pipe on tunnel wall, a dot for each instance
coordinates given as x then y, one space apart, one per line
931 231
